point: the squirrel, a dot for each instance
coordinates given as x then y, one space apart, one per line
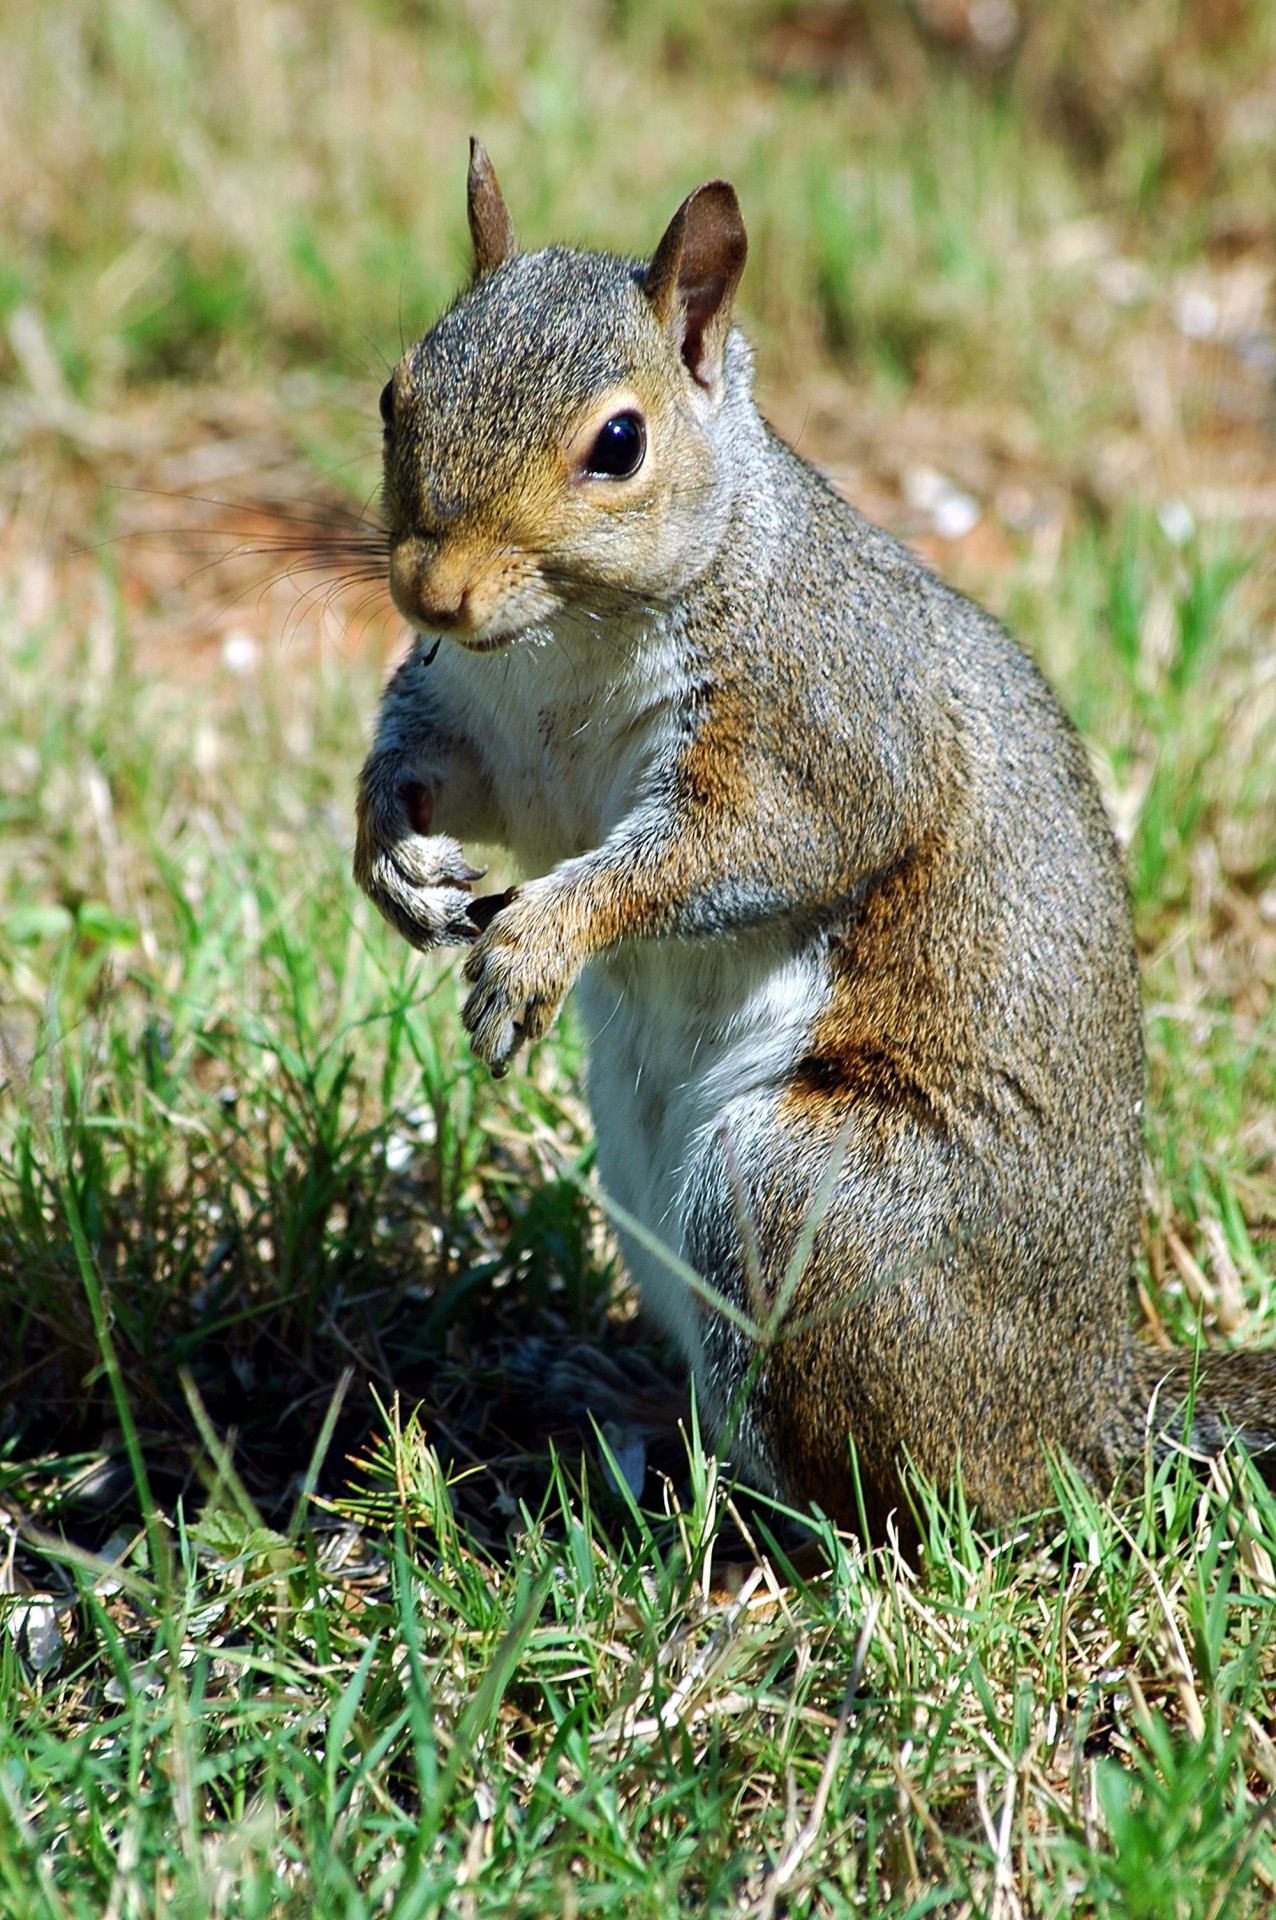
826 864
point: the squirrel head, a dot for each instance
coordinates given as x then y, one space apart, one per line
558 437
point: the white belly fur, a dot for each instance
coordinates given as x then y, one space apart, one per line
564 754
687 1038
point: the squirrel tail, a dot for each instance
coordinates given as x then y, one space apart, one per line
1231 1396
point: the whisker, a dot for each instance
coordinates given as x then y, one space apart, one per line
319 513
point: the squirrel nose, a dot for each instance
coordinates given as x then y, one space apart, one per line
425 589
428 613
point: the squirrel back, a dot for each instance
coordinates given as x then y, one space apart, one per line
827 860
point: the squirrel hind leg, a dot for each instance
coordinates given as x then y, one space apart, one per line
869 1351
918 1326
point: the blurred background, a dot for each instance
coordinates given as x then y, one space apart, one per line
961 197
1011 283
1011 263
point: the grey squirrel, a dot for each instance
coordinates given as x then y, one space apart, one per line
824 859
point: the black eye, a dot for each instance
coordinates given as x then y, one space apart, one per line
619 448
387 403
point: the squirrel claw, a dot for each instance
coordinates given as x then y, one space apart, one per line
423 887
485 909
517 972
494 1033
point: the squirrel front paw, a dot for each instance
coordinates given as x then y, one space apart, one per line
420 882
520 979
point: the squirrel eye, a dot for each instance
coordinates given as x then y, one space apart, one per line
387 403
617 452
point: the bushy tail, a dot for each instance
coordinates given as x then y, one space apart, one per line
1234 1399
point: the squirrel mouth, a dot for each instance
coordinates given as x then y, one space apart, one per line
489 643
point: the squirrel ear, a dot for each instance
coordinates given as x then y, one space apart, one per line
694 273
491 228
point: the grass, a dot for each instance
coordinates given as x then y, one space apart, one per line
311 1603
296 1721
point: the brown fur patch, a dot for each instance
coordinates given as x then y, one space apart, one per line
853 1074
886 1035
